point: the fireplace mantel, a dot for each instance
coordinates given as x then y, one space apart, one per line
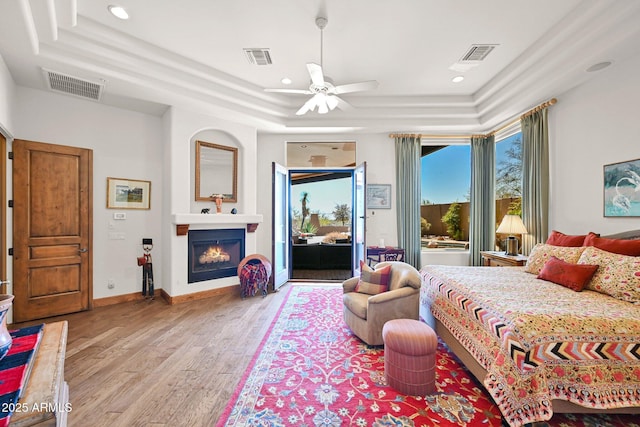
182 221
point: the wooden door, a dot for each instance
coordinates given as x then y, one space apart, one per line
3 216
52 230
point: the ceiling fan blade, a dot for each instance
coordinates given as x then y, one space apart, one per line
315 71
310 105
300 91
356 87
341 103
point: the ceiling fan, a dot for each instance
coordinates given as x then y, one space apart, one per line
325 94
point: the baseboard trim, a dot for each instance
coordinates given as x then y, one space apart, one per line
119 299
137 296
198 295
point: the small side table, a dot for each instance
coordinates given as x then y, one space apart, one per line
500 259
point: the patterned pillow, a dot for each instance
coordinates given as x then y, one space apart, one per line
541 253
618 275
373 282
572 276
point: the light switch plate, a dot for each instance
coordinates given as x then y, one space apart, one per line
119 215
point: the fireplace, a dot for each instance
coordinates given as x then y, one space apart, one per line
214 254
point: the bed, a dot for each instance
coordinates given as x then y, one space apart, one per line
539 347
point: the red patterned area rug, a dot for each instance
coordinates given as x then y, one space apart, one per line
312 371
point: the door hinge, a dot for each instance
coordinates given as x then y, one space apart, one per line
10 153
10 251
10 203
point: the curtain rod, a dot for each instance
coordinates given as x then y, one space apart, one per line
546 104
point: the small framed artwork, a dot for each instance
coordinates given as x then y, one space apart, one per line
378 196
128 194
622 189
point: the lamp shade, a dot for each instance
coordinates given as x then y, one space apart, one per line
511 224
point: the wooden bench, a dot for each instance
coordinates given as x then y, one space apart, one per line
45 401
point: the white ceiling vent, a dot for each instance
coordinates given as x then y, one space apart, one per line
478 52
64 83
258 56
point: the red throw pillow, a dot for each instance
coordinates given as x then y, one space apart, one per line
616 246
572 276
557 238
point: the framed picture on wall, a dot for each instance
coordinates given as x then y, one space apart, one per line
128 194
378 196
622 189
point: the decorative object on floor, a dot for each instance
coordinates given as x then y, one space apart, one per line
254 272
622 189
146 262
310 370
511 224
15 369
410 356
128 194
5 337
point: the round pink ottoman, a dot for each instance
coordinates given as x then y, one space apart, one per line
410 356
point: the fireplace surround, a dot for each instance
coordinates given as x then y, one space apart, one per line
214 253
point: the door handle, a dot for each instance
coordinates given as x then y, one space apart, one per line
83 250
5 282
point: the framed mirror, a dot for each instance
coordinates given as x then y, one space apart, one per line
216 171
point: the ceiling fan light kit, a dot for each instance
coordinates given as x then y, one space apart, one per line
325 94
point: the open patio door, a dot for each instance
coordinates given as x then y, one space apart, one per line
281 243
359 217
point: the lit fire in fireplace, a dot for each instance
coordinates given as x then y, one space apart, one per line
214 254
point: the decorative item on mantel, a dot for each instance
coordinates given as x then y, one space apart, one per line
217 198
5 338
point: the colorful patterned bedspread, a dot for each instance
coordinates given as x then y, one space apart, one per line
537 340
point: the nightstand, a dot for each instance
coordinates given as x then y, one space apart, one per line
500 259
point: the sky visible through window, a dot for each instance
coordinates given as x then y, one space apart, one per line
446 173
323 195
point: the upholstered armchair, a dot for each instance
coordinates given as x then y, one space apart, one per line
366 314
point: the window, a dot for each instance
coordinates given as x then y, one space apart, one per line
508 184
446 183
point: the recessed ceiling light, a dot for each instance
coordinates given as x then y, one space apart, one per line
457 79
118 11
599 66
286 81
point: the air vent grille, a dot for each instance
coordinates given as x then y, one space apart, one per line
478 52
258 56
71 85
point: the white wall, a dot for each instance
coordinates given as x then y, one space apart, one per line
375 149
181 129
125 144
592 125
7 97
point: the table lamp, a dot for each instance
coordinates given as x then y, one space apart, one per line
511 224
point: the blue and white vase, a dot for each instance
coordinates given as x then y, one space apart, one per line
5 337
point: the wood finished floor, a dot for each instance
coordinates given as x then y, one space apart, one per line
152 364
